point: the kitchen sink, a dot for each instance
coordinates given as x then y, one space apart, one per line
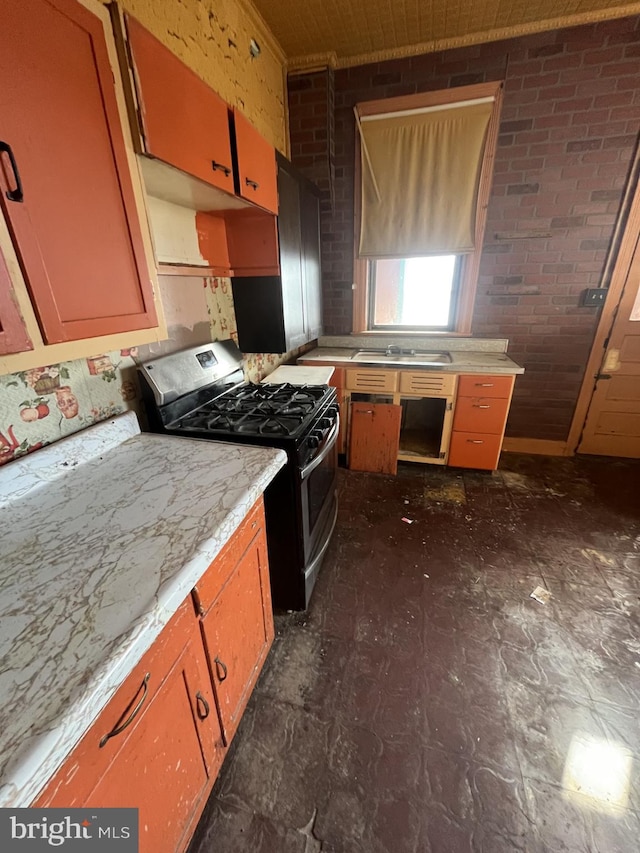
395 358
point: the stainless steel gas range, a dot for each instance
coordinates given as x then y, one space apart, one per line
201 393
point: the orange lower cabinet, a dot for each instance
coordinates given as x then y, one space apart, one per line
475 450
155 747
238 632
375 437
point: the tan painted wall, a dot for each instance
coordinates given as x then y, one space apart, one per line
212 38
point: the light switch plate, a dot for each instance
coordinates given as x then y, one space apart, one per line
594 297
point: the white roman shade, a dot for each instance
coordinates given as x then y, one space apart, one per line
420 176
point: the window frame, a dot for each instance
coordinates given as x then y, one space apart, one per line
470 263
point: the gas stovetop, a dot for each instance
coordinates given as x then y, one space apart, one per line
259 410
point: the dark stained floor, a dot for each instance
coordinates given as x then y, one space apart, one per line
425 702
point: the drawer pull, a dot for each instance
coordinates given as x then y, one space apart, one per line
202 706
475 441
253 184
120 727
479 406
220 167
484 384
220 665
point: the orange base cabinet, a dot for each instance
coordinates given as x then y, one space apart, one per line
337 381
237 625
159 743
157 746
375 437
479 422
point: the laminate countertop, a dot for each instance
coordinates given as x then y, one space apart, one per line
104 535
462 361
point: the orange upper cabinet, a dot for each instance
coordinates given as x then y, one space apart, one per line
183 121
65 182
256 165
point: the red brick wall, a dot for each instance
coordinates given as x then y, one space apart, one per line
570 121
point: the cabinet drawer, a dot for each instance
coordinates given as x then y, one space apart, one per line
372 380
474 450
485 386
427 384
208 589
481 414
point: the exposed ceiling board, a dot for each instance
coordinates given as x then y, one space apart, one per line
362 30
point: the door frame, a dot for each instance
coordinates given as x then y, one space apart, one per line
627 234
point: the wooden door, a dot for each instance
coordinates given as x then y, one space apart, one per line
612 427
76 229
375 437
238 634
184 122
256 165
13 334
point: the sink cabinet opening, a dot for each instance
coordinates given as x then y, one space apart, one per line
422 430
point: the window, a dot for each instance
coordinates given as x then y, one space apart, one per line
414 293
423 176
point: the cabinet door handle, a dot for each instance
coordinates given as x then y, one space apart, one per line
120 727
475 441
196 600
253 184
202 706
17 194
479 406
220 665
220 167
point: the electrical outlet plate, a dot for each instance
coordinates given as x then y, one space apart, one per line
594 297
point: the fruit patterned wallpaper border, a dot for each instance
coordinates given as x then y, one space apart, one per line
47 403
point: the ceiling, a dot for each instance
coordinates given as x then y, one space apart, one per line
350 32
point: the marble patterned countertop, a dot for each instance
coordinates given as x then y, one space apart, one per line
104 535
462 361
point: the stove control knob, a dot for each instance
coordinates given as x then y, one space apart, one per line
313 441
325 423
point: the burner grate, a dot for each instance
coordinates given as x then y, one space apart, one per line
277 410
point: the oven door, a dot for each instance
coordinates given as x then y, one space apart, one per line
318 499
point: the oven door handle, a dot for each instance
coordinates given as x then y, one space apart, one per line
331 440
